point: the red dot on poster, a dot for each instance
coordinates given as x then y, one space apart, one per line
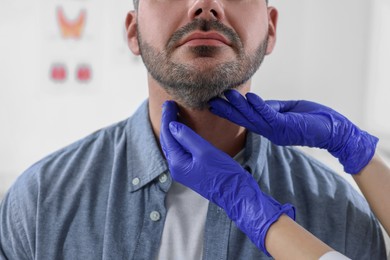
84 73
58 72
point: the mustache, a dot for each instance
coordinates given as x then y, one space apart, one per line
205 26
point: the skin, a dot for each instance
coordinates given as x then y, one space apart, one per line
288 240
156 30
374 182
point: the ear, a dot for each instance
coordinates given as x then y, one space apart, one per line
272 23
131 32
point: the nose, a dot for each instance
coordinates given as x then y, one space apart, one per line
206 9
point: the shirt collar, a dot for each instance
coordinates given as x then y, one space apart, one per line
255 153
145 161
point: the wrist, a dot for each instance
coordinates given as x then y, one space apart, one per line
358 151
285 210
253 211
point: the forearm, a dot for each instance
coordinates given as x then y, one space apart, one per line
374 182
288 240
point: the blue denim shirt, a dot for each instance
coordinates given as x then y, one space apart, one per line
102 198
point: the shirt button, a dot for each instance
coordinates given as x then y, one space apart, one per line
163 178
155 216
135 181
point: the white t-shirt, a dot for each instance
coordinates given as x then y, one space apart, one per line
183 233
333 255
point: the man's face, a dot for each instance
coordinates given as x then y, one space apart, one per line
197 49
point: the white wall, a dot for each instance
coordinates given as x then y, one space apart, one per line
378 87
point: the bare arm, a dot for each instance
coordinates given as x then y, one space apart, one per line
286 239
374 182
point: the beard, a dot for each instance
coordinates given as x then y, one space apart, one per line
192 86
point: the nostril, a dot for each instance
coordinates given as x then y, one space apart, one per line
198 12
206 12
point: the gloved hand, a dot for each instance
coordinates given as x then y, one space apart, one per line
299 123
213 174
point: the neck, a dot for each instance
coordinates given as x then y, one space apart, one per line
221 133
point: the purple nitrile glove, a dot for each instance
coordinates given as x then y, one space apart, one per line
299 123
213 174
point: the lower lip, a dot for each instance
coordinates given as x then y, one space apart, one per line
204 42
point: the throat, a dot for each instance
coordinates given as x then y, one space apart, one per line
224 135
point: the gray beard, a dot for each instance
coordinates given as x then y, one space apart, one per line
194 87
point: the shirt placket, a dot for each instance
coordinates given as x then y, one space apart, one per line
153 221
217 232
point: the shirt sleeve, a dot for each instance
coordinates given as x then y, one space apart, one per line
333 255
17 219
12 240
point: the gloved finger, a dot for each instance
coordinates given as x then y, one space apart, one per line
238 101
221 107
247 109
282 106
189 140
262 108
257 102
169 114
224 109
169 111
168 142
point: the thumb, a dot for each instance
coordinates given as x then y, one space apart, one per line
282 106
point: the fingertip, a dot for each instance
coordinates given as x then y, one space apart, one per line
253 97
256 101
212 102
169 104
165 103
216 103
173 127
232 94
169 112
223 109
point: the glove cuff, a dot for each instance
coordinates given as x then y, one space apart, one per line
358 152
287 209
